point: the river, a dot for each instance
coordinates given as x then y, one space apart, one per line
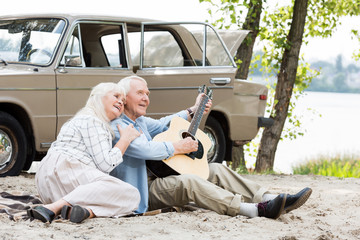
335 132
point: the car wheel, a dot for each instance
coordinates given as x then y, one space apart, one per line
12 146
218 144
30 156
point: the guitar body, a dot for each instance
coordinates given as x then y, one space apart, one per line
195 163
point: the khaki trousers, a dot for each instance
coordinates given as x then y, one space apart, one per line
222 192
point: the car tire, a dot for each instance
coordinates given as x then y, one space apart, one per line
216 134
13 146
30 156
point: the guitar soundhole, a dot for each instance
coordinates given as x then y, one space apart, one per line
200 152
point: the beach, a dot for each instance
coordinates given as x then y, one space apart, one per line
332 212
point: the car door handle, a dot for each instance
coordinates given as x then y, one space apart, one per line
220 81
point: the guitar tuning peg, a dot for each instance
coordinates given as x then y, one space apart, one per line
202 89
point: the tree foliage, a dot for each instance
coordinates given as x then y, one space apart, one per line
323 18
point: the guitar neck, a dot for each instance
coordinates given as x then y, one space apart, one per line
195 122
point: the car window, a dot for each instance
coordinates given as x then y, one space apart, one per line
216 54
96 45
72 55
112 44
161 49
30 40
178 45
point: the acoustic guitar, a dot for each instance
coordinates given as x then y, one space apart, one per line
192 163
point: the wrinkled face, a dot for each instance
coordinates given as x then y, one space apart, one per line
137 100
113 104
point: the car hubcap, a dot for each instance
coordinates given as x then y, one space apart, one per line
5 149
212 151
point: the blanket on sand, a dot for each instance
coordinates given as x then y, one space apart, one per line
16 203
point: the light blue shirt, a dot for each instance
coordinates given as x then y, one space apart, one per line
133 168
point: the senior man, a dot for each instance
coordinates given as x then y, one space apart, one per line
224 192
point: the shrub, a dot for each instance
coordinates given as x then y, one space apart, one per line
338 166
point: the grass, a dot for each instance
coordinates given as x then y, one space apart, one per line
338 166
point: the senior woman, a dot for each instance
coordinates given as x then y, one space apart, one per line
73 178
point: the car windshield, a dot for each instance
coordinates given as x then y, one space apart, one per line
29 40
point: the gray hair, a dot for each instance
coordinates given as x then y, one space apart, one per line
94 105
126 82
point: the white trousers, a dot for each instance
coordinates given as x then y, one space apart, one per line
62 177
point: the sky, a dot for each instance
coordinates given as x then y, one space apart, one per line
181 10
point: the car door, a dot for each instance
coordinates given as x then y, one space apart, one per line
176 59
94 53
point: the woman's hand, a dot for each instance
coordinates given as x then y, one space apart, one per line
129 132
127 135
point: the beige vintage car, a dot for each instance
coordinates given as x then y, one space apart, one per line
49 63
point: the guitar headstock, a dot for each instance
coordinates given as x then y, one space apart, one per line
204 89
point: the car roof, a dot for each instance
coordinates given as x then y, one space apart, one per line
231 41
78 16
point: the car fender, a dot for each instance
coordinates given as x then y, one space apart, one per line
243 109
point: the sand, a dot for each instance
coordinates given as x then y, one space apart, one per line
332 212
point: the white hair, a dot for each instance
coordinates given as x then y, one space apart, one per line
125 82
94 105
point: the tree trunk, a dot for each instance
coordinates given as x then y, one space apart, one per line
245 50
244 53
284 89
238 160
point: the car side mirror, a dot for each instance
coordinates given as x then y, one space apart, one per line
71 60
